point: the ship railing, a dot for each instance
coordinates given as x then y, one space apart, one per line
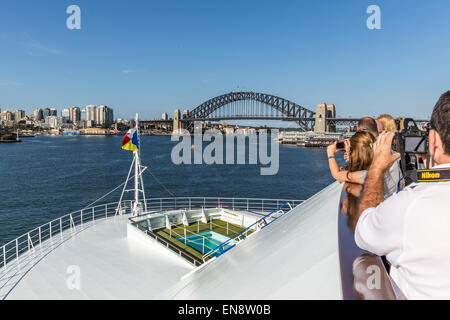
28 242
16 249
254 205
174 248
258 225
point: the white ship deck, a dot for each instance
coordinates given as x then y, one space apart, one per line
296 257
111 267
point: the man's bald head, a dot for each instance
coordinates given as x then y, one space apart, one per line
368 124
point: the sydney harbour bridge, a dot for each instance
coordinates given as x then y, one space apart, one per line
256 106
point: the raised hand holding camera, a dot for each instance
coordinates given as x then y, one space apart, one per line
383 158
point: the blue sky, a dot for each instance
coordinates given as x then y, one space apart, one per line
154 56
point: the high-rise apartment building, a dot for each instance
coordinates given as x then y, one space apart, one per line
53 112
54 121
91 114
65 113
38 114
46 112
75 114
105 115
19 115
6 115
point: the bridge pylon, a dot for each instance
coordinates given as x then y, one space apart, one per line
325 111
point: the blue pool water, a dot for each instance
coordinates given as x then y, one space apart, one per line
212 240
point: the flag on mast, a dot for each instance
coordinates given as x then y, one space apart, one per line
130 141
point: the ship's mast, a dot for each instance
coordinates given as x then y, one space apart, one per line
137 207
137 165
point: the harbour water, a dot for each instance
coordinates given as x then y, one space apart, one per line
45 177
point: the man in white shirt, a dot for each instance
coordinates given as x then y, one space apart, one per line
412 227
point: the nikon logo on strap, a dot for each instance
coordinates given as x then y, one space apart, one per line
433 175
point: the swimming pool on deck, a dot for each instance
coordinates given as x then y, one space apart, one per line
206 241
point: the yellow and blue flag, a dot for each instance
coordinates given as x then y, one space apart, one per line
130 141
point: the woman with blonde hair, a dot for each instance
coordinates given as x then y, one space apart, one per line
360 152
388 123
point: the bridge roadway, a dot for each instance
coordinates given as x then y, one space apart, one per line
337 121
144 122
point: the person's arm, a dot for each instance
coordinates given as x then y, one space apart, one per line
337 174
372 194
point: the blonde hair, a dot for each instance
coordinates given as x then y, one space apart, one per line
361 152
388 123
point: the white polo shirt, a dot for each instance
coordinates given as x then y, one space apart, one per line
412 229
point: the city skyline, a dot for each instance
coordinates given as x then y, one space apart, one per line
155 57
90 117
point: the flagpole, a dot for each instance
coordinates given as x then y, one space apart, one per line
136 208
137 168
137 164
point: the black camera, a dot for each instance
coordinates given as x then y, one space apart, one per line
410 141
340 145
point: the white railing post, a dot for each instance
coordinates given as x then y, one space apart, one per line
233 203
40 237
17 249
189 203
28 241
50 229
4 257
247 204
93 214
106 210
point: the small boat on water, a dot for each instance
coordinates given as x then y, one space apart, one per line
10 138
26 135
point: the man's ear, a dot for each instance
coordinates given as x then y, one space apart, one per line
432 142
436 146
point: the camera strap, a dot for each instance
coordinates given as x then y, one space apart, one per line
433 175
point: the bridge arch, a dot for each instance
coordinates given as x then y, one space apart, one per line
288 108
